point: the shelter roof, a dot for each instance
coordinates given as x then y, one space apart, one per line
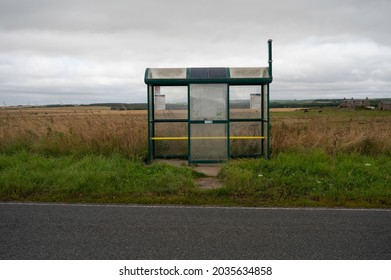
229 75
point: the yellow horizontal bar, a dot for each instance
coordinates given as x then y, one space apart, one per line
207 138
246 137
169 138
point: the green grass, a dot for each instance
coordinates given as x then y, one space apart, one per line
312 179
289 179
27 176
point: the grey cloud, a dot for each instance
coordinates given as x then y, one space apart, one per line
98 50
296 18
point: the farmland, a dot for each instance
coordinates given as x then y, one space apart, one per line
323 157
75 130
365 132
99 130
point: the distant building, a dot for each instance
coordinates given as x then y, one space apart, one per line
354 103
384 105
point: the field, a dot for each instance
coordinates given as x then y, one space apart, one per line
76 130
323 157
85 130
365 132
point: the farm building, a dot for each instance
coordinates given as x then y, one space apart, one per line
384 105
209 114
354 103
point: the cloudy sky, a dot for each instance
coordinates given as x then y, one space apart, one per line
88 51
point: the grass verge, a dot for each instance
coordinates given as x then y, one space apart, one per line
312 179
27 176
289 179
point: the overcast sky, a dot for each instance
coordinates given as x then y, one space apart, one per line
85 51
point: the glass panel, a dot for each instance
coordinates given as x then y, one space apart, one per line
248 147
245 129
208 101
170 147
240 147
245 102
170 102
249 72
167 73
208 141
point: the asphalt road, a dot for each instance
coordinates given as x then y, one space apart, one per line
72 231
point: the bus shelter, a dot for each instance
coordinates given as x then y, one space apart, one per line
208 115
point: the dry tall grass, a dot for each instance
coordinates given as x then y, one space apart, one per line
101 130
364 132
79 129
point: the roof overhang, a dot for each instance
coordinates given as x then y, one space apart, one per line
223 75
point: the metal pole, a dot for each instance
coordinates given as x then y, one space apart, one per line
153 144
149 125
270 57
188 126
228 126
268 97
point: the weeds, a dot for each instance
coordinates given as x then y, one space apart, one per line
333 158
30 176
312 178
290 179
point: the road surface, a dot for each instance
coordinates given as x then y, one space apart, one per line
82 231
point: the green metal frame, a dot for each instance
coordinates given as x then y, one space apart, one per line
153 145
188 124
264 118
228 125
268 122
187 81
149 124
190 121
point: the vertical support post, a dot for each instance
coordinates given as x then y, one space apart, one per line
262 121
265 122
152 99
228 127
270 57
268 96
149 124
188 127
268 121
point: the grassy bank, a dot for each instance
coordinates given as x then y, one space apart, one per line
312 179
290 179
27 176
